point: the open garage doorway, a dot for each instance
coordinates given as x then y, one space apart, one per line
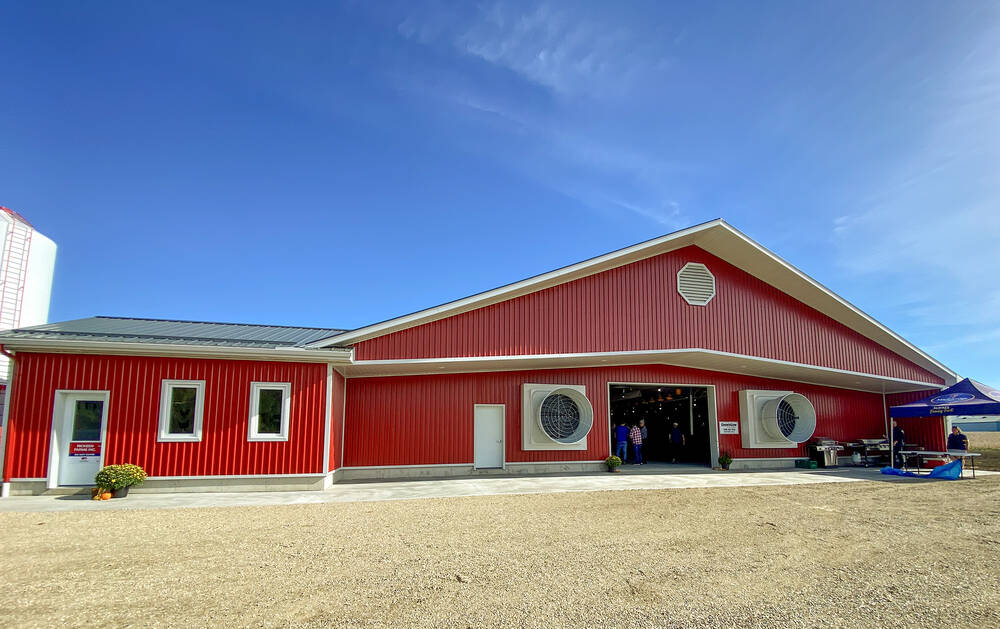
665 408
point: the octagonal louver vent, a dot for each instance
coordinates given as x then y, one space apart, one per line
696 284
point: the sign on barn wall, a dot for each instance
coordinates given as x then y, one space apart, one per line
729 428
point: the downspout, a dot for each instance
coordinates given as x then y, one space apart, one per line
5 486
888 431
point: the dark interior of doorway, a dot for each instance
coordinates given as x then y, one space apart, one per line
661 406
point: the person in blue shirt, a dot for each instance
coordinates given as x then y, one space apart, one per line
957 440
677 442
621 436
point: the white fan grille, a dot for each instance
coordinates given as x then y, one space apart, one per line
786 418
696 284
560 416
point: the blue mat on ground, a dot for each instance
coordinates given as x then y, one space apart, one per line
948 471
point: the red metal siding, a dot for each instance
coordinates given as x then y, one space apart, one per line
133 414
636 307
928 432
337 420
425 420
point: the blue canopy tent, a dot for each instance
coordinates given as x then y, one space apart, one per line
967 397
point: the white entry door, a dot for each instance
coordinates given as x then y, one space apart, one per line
81 438
489 430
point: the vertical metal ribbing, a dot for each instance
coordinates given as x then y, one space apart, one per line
133 419
426 420
636 307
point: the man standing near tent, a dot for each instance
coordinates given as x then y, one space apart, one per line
898 437
957 440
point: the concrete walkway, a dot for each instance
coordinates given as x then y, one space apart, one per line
636 478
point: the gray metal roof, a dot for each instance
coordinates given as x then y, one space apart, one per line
131 330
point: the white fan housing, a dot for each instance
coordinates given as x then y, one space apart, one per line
775 419
555 417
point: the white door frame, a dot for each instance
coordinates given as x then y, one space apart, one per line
503 435
713 415
58 422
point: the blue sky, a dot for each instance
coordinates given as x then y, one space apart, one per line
338 164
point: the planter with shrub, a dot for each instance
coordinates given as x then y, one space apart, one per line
613 463
118 478
725 460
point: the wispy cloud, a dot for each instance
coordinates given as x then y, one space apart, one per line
584 63
554 46
932 228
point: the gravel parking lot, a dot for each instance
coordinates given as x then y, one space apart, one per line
912 554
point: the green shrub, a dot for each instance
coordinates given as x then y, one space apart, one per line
120 476
725 459
612 461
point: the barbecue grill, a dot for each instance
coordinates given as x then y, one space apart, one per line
824 451
871 448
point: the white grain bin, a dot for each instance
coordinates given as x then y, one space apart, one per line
27 262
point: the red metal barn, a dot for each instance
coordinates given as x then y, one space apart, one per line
718 345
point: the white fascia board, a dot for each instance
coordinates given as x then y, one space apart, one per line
339 356
693 358
716 237
532 284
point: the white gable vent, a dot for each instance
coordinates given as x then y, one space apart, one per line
696 284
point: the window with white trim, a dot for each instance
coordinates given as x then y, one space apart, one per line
182 405
270 406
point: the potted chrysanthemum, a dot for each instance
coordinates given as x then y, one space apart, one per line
613 463
118 478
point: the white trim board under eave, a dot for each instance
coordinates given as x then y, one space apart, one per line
717 238
337 355
693 358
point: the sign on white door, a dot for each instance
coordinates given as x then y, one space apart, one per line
489 436
81 437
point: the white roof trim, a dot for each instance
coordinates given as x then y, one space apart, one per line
716 237
337 355
695 358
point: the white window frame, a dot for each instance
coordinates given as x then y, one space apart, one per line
286 411
166 396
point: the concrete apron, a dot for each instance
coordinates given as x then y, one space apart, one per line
452 488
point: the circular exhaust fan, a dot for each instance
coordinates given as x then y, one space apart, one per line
790 417
565 415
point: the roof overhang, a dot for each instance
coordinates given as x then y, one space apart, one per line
337 355
716 237
693 358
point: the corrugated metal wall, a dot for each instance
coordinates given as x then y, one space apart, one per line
637 307
424 420
337 421
928 432
133 412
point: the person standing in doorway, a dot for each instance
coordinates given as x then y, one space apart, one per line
645 434
635 435
621 437
677 442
